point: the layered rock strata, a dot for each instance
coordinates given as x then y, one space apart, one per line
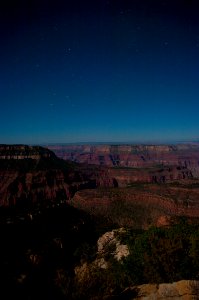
184 155
35 175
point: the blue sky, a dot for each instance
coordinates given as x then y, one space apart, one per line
123 71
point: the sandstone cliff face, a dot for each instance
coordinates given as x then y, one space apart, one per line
32 187
32 174
130 155
181 290
24 152
162 174
131 163
35 175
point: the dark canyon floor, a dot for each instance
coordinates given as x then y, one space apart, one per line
98 222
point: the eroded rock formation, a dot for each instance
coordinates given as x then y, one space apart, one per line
135 163
108 240
181 290
184 155
35 175
24 152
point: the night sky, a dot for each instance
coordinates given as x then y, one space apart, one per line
100 71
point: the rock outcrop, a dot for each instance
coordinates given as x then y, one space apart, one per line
31 174
109 240
88 275
24 152
181 290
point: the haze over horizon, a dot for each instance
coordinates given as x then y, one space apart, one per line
101 71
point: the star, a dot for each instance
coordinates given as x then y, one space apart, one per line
68 51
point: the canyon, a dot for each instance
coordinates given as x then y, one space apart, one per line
71 225
162 180
131 163
184 155
32 174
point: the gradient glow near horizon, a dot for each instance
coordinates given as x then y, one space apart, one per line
109 73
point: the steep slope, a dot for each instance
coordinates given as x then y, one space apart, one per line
136 156
24 152
141 205
34 174
49 250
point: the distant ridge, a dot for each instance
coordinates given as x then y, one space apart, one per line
149 142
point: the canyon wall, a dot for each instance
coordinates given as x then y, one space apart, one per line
31 175
24 152
137 163
135 156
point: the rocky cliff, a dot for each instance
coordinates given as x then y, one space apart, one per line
142 204
24 152
185 155
35 175
132 163
118 253
30 175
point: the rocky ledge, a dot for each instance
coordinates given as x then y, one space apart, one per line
24 152
33 174
181 290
